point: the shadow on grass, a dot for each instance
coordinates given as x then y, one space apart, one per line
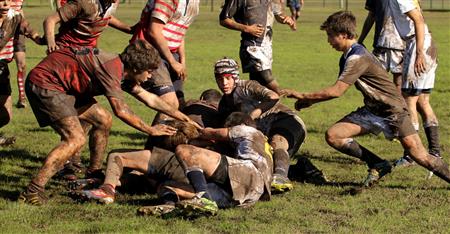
329 159
9 195
19 155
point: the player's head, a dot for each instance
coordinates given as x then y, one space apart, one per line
226 72
139 59
185 132
238 118
5 5
211 96
340 27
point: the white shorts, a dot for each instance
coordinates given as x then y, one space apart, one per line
415 84
390 59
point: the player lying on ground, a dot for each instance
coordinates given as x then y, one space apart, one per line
61 92
384 110
286 130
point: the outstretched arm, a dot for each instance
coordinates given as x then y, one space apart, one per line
217 134
307 99
119 25
368 23
153 101
124 113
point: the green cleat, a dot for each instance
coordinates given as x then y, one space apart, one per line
197 206
163 211
281 184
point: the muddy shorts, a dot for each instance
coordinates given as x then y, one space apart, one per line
163 165
414 85
294 3
257 58
289 126
49 106
165 80
5 85
398 125
390 59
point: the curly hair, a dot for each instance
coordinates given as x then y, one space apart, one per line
185 133
341 22
140 56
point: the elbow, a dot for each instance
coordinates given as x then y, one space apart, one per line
223 23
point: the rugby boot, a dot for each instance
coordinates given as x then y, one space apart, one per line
100 195
197 206
281 184
21 104
304 171
6 141
404 161
70 171
163 211
85 184
376 173
33 198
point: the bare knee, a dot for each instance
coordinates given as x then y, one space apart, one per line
104 119
331 138
279 142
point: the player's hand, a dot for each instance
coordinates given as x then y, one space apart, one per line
291 22
180 69
51 46
162 130
190 121
301 104
256 30
289 93
419 65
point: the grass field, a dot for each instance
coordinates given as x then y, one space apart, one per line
404 202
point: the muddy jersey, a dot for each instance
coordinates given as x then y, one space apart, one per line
203 113
247 95
82 22
249 12
251 145
13 26
386 34
80 75
361 68
177 15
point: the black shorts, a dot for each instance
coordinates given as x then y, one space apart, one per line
49 106
290 128
5 85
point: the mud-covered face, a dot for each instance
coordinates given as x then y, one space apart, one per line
5 5
225 82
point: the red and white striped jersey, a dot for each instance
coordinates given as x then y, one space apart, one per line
177 15
7 52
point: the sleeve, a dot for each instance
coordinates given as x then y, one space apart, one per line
225 109
277 7
354 67
370 5
110 76
407 5
229 9
164 9
257 91
70 10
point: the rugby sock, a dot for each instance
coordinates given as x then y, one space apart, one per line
432 134
114 170
197 180
281 162
34 188
354 149
20 84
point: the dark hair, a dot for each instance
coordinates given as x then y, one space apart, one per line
140 56
185 133
341 22
237 118
211 95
